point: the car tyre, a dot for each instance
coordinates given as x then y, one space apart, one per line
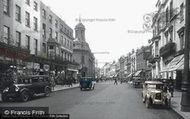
4 98
47 91
24 96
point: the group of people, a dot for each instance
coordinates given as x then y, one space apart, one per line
169 86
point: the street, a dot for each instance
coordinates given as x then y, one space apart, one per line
107 101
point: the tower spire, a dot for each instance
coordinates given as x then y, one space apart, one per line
79 18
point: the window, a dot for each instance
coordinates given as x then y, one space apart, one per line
6 34
51 47
27 19
182 40
44 30
36 46
27 2
56 23
67 43
83 60
56 35
18 39
61 40
50 18
28 42
6 7
43 13
44 47
167 16
181 12
171 9
171 35
35 24
36 6
18 13
50 32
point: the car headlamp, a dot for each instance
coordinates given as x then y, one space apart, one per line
16 88
6 89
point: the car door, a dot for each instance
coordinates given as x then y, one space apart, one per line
36 85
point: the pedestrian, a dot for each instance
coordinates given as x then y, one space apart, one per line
171 86
115 81
52 82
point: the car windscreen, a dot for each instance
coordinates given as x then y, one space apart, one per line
155 86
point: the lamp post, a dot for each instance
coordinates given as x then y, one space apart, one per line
185 99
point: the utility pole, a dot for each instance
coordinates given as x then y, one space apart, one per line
185 99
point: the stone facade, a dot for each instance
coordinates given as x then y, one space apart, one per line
82 53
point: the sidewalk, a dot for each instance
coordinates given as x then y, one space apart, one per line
59 88
176 100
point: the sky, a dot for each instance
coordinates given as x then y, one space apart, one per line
114 26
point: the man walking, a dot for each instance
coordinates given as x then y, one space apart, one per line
171 86
115 81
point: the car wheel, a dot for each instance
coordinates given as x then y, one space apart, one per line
47 92
24 96
147 103
4 98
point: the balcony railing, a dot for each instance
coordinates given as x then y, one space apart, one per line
168 49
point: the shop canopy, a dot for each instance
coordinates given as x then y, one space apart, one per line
137 73
175 63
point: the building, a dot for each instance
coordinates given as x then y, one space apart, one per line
34 39
57 42
82 53
133 62
122 67
168 40
19 29
143 69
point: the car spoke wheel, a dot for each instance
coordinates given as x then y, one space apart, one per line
24 96
47 92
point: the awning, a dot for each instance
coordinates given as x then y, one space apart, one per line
175 63
137 73
74 70
181 67
130 75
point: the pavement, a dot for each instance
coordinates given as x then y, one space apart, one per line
176 100
59 88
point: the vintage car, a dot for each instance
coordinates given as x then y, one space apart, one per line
87 83
137 82
154 92
27 87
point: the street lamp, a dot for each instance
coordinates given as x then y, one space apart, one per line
185 99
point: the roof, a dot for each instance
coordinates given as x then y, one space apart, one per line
80 25
153 82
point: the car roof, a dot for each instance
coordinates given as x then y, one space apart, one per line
153 82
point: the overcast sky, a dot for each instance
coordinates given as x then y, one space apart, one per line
111 21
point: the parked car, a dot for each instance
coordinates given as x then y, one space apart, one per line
87 83
154 93
27 87
137 82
